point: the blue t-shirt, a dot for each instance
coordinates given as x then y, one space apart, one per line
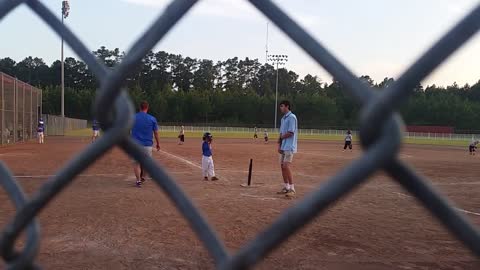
95 125
143 128
207 152
41 127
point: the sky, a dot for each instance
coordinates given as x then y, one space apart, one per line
378 38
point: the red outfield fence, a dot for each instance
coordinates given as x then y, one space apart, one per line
431 129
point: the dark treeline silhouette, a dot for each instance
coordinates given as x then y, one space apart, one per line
236 92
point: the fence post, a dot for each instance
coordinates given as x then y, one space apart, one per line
41 104
35 116
23 113
31 113
15 110
3 112
38 111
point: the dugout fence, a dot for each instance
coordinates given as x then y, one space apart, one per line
20 106
380 134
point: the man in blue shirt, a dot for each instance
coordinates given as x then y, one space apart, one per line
143 131
287 146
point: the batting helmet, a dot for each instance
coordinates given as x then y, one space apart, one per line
207 135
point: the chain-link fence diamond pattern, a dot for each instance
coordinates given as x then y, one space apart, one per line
380 135
18 113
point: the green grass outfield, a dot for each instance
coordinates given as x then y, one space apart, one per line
320 137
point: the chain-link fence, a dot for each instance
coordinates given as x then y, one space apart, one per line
380 134
20 106
319 132
56 125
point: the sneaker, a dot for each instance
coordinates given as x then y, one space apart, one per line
138 184
142 180
283 191
205 178
290 193
214 178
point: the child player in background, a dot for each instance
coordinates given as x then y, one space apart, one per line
348 141
181 136
40 131
95 130
255 135
265 136
208 168
472 147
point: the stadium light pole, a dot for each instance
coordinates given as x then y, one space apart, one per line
277 60
65 13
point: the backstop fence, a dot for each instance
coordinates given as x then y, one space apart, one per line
20 106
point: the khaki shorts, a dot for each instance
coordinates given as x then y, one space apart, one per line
286 157
147 150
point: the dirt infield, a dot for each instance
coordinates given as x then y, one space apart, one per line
102 221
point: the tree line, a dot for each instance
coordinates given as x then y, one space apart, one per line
235 92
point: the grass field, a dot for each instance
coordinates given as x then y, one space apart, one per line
320 137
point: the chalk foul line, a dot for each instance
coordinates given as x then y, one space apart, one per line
458 209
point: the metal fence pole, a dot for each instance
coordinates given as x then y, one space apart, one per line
31 113
41 103
3 113
23 113
15 108
37 111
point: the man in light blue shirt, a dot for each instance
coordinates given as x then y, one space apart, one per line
287 146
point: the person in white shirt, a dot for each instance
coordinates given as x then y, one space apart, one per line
348 141
181 136
472 147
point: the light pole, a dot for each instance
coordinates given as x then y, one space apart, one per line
65 13
277 60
